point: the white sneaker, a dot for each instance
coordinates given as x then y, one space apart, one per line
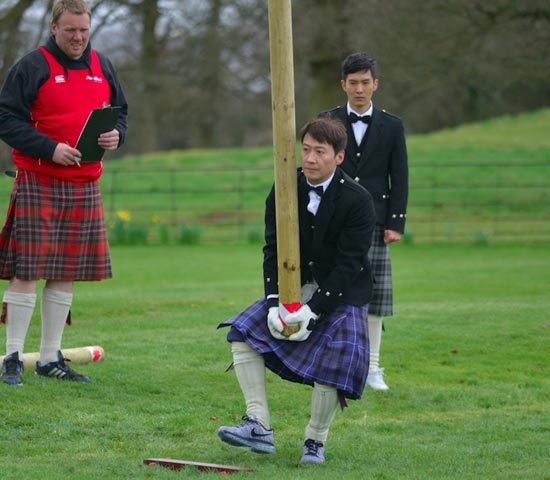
375 379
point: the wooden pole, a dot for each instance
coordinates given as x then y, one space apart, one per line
76 355
284 152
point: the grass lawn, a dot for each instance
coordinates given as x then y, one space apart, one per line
466 358
486 182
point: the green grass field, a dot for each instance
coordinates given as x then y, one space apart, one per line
466 358
486 182
479 183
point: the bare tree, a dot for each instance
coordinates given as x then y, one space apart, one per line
440 63
196 72
10 25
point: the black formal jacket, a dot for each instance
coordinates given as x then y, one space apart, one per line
333 244
379 164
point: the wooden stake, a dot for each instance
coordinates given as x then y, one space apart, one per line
284 149
202 467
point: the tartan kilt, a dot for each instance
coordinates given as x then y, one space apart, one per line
336 353
381 302
54 230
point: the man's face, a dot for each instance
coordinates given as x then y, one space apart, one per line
72 34
359 88
319 160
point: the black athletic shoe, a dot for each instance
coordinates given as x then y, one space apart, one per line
59 370
12 369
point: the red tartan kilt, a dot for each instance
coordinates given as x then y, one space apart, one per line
54 230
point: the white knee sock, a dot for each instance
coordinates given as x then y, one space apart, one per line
374 324
54 308
324 403
20 308
250 370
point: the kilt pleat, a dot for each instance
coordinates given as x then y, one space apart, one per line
335 354
54 230
381 302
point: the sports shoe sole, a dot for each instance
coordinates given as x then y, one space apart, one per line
237 441
13 384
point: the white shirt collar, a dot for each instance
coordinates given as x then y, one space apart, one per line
325 184
368 112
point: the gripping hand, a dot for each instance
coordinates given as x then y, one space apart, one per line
302 318
274 323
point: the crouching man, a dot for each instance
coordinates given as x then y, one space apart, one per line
330 349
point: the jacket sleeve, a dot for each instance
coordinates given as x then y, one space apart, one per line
117 95
396 214
350 256
16 98
271 287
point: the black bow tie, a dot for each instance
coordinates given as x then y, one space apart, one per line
356 118
318 190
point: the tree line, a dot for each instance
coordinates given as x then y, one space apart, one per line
196 72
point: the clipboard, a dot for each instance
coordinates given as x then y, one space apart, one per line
99 121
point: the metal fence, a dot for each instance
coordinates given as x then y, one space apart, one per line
463 203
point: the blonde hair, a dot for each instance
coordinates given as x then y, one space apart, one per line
78 7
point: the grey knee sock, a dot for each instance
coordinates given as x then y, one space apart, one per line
374 324
324 403
54 308
250 370
20 308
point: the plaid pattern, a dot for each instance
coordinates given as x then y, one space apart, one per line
335 354
381 302
54 230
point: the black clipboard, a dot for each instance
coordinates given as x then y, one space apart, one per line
99 121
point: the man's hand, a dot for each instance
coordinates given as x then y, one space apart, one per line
301 318
391 236
64 154
274 323
109 140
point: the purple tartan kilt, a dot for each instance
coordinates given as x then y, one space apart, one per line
336 353
54 230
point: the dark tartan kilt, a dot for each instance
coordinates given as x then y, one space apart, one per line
54 230
336 353
381 302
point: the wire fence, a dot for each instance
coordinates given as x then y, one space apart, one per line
463 203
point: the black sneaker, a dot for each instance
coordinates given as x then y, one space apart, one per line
59 370
12 369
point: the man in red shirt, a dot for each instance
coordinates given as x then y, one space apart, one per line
55 227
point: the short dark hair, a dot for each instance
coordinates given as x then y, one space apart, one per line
326 130
358 62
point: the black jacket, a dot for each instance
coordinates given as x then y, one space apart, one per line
21 87
379 164
334 251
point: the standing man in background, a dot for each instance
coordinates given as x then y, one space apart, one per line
55 228
376 157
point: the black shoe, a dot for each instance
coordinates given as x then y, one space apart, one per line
59 370
12 369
